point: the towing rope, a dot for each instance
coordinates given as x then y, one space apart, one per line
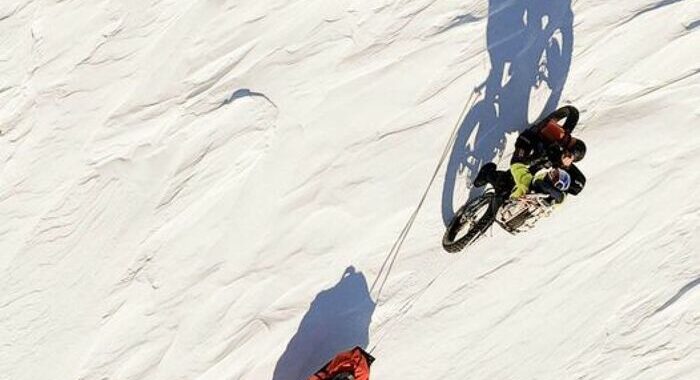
393 254
398 243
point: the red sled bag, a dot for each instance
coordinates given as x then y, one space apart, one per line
349 365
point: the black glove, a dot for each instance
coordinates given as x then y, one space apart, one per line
539 164
554 152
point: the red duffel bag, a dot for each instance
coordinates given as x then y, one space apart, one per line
349 365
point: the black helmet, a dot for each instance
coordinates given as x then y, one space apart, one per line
578 149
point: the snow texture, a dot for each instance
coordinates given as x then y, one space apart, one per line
208 189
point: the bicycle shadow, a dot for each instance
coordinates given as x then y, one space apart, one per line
530 44
338 319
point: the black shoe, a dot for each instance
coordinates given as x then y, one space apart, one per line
485 172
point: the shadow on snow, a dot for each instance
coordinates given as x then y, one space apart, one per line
530 45
337 320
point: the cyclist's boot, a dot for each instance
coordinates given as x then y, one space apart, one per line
486 175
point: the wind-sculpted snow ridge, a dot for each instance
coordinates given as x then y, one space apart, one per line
208 189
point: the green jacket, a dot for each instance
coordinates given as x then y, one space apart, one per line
523 179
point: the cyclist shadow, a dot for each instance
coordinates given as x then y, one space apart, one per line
337 320
530 44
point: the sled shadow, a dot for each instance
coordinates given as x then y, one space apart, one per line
530 44
337 320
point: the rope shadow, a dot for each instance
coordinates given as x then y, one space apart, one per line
530 44
688 287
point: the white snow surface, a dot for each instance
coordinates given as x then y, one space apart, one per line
208 189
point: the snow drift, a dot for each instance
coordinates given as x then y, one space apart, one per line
208 189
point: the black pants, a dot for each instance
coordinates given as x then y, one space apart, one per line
501 180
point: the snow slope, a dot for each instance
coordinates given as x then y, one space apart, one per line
208 189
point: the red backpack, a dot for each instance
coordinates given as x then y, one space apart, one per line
554 133
355 362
